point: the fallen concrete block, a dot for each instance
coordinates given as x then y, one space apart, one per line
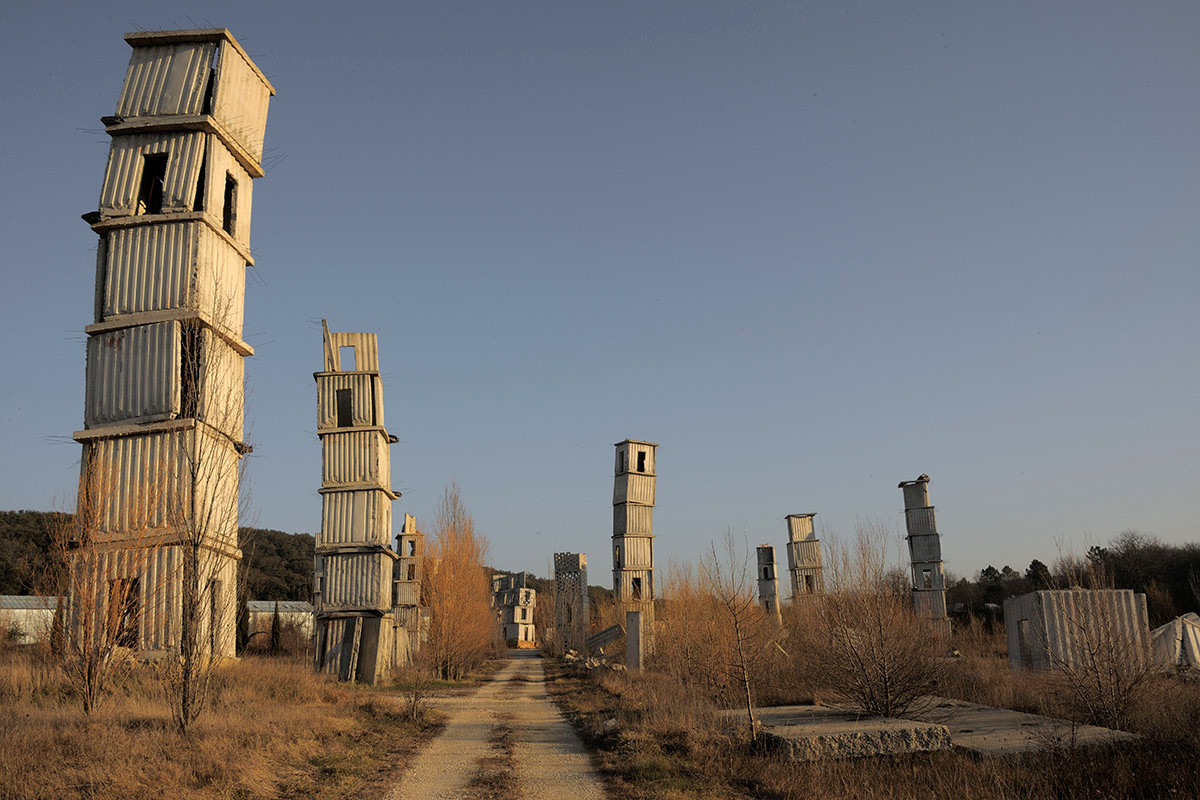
811 733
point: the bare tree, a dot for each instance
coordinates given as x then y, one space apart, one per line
731 575
862 638
101 582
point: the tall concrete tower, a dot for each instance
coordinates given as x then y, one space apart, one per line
358 635
925 552
407 599
804 556
633 531
571 607
768 581
162 437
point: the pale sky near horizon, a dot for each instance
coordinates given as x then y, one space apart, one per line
813 249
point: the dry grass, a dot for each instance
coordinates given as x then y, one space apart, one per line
272 729
668 745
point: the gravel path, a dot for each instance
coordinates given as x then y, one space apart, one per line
550 761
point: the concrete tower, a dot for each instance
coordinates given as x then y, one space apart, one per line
358 635
925 552
571 609
407 600
804 556
633 532
768 581
162 437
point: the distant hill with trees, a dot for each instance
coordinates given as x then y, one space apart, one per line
276 565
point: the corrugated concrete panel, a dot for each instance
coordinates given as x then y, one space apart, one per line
223 166
633 454
634 488
805 553
408 593
800 526
1053 628
916 493
366 352
637 552
355 457
358 581
122 179
366 399
221 371
631 519
921 521
166 79
133 375
173 265
925 548
358 517
241 100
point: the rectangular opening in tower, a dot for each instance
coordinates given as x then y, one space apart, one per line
346 359
810 585
637 588
641 461
345 408
198 201
189 369
620 462
150 190
229 212
124 605
412 572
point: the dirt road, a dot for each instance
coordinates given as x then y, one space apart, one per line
508 730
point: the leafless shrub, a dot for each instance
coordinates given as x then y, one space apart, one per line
862 638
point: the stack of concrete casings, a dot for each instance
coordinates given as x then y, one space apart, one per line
804 556
634 488
358 635
1055 628
925 552
162 438
571 608
768 581
407 582
514 602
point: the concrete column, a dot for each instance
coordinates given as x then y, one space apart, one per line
633 641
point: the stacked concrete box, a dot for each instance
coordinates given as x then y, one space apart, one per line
571 609
804 556
768 581
634 488
410 545
514 601
162 437
358 635
1058 628
925 554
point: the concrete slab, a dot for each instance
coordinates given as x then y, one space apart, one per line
999 731
810 733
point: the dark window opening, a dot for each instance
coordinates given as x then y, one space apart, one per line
568 615
641 461
620 463
927 578
617 554
198 201
766 573
766 605
189 370
810 585
206 108
412 572
150 192
346 359
637 588
124 603
229 213
345 408
412 547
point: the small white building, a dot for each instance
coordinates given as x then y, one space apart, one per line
26 619
295 614
1056 628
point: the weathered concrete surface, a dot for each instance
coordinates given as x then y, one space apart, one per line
999 731
810 733
551 762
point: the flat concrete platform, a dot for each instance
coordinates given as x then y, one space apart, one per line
999 731
810 733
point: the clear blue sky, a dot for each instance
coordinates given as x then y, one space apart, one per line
813 249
